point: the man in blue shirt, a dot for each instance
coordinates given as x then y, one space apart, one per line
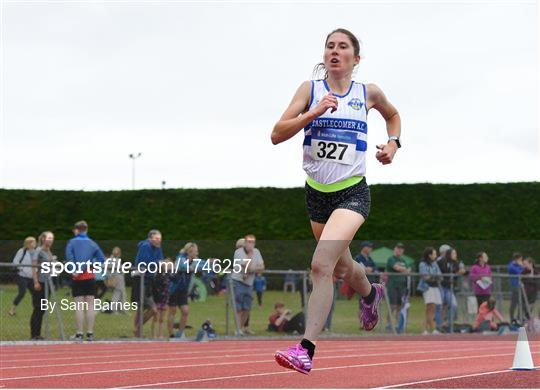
80 250
515 267
365 259
150 254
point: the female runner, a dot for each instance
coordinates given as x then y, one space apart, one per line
333 113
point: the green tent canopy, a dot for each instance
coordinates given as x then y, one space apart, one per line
381 255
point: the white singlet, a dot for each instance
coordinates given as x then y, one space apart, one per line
335 143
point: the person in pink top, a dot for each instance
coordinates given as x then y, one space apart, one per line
485 320
480 276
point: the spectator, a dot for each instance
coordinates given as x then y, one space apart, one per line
149 252
449 285
161 296
397 284
101 286
430 277
23 257
531 285
481 278
485 320
442 251
82 249
42 254
438 308
117 282
259 284
365 259
289 282
282 320
179 288
515 267
243 281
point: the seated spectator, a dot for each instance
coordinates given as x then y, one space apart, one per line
282 320
485 320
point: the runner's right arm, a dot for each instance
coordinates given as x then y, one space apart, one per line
291 122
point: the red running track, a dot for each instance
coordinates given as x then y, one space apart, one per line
359 363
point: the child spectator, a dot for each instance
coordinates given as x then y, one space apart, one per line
259 284
485 320
289 282
282 320
515 267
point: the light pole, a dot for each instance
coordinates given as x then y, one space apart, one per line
133 157
163 183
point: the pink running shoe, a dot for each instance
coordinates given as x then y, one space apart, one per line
295 358
370 313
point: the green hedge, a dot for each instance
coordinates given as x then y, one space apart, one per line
438 212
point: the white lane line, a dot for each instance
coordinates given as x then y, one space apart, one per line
166 351
161 367
315 369
446 379
250 354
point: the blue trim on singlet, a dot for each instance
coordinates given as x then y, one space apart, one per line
335 94
361 145
359 126
365 98
312 94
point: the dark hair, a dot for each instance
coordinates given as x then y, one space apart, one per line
516 256
355 43
491 302
427 252
448 254
478 256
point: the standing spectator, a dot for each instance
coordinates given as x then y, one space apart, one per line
161 296
42 254
531 285
243 280
23 257
481 278
289 282
179 288
515 267
116 280
438 308
364 258
259 284
397 284
81 249
430 277
442 251
149 252
485 320
450 264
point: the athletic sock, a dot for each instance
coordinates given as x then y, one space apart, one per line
309 346
371 296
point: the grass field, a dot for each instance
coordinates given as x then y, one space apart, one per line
114 326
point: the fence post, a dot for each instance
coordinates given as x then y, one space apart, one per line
46 291
141 306
520 301
58 315
227 307
451 305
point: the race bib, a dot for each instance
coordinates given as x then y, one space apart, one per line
333 145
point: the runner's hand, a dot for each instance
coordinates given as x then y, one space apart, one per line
327 102
386 153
